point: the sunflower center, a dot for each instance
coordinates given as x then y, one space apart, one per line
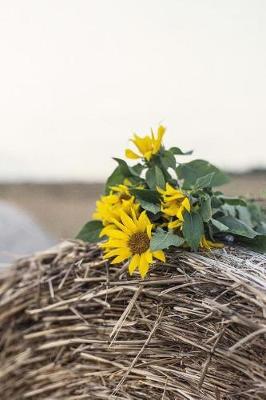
139 242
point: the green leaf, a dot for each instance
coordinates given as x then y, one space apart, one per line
150 196
122 172
233 201
219 226
229 210
256 212
193 229
168 160
155 177
193 170
257 244
91 232
216 202
151 207
163 240
205 208
127 170
204 181
261 228
244 215
178 152
116 178
137 169
237 227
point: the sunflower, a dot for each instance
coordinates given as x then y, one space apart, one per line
129 239
175 203
147 145
208 244
108 207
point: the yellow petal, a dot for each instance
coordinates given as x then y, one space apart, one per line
121 226
131 154
149 228
112 253
170 190
148 155
120 258
174 224
148 255
215 245
134 263
186 204
115 243
158 141
128 222
143 265
115 233
143 144
179 214
171 210
106 230
143 221
159 254
161 191
134 215
175 196
137 140
161 132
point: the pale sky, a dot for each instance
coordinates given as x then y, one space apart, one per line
78 77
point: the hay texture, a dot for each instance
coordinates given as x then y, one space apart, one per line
73 327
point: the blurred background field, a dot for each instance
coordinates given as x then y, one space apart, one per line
61 209
78 78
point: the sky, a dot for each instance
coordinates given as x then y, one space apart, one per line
77 78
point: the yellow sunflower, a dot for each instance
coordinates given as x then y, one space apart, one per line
108 207
208 244
175 203
147 145
129 239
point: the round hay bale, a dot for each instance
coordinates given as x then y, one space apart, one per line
74 327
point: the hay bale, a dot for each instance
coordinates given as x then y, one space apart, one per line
73 327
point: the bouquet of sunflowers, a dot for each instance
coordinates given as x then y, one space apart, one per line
161 203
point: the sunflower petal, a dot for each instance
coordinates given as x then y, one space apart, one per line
148 255
144 144
159 254
115 234
149 229
116 243
158 141
161 191
128 222
143 221
106 230
134 263
112 253
131 154
174 224
120 259
186 204
148 155
143 265
121 226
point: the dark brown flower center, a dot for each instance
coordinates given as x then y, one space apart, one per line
139 242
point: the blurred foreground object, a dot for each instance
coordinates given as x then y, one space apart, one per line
19 234
74 326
